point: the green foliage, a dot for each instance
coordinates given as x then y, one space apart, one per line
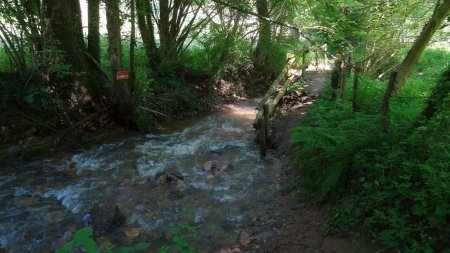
110 248
402 192
181 235
219 52
81 239
326 148
391 186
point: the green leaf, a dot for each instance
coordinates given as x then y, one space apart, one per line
67 248
142 246
82 238
83 233
163 249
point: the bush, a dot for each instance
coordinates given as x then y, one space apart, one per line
391 186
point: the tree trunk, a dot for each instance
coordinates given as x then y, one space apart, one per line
346 70
145 25
355 89
410 62
64 22
398 78
123 110
386 100
164 29
263 46
342 79
132 47
335 78
95 83
94 29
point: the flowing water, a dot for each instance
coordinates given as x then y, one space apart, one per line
43 202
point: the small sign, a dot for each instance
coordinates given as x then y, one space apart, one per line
122 75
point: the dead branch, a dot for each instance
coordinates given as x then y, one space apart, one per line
154 112
60 137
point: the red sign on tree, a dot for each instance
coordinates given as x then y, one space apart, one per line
122 75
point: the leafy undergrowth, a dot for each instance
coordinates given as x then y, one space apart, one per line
83 239
395 186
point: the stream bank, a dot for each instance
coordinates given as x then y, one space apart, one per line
295 223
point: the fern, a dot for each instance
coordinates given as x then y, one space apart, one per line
326 153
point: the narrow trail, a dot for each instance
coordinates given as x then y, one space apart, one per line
295 224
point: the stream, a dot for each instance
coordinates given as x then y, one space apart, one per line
43 202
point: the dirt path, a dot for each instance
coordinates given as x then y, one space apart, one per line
295 224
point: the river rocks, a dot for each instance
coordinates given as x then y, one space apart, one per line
217 168
209 165
176 175
177 187
226 167
132 232
105 217
161 178
174 181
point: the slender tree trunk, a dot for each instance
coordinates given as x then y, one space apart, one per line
263 46
13 52
94 29
355 88
336 77
398 78
164 28
345 73
386 100
414 54
145 25
132 47
121 93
